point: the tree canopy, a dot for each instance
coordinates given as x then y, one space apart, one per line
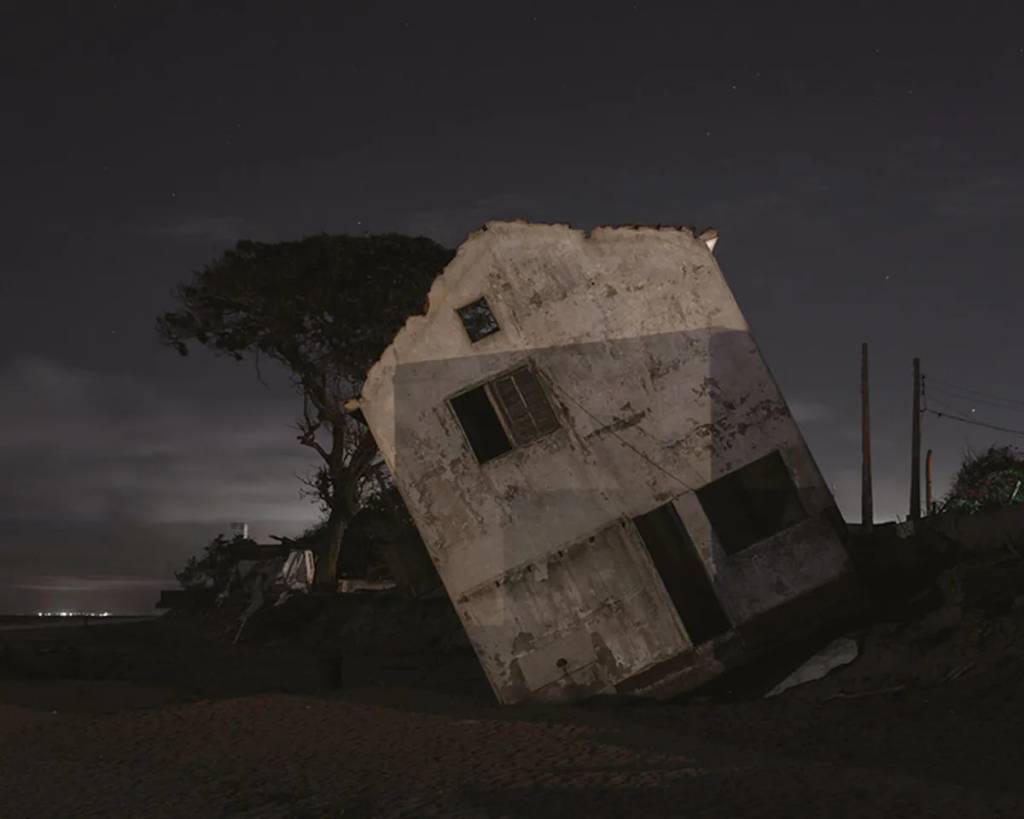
321 303
325 307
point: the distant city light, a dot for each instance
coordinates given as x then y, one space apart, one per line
73 614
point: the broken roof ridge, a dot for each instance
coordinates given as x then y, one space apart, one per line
588 231
708 236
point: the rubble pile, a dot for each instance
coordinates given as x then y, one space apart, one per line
937 613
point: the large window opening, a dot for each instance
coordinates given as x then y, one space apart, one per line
479 420
511 410
752 504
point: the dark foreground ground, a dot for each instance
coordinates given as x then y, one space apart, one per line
169 719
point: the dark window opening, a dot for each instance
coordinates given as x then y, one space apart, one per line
478 319
752 504
481 423
524 404
682 571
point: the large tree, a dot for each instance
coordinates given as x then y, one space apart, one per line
324 307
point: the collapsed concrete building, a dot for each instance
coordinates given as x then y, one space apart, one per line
604 472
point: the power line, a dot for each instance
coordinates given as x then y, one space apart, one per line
983 401
950 388
970 395
975 423
943 404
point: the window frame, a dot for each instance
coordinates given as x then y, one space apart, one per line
490 310
499 409
503 410
728 545
450 401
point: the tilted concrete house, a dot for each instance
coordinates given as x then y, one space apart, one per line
605 474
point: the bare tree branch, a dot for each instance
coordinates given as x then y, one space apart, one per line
308 428
259 372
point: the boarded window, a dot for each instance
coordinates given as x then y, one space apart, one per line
478 319
479 420
524 405
752 504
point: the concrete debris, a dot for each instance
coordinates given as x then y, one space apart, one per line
347 586
287 572
838 653
296 574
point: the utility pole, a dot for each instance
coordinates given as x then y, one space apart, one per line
928 505
915 447
867 518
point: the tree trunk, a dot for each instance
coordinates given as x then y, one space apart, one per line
327 562
342 498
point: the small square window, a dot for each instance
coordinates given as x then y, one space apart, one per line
478 319
752 504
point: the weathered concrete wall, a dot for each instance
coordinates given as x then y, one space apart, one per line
659 388
558 625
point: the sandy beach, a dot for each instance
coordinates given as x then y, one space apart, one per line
166 718
293 756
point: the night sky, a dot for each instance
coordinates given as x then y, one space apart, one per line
862 163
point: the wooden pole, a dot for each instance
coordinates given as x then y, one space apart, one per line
867 518
915 447
928 505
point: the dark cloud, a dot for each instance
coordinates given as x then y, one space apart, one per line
864 179
119 473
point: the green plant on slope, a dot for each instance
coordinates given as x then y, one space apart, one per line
986 480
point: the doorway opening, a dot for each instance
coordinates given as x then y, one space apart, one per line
682 571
